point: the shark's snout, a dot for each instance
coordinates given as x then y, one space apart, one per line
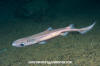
13 44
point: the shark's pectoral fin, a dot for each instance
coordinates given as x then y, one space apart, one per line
64 34
42 42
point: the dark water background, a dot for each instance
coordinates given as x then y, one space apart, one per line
20 18
39 9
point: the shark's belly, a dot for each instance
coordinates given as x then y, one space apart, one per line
49 36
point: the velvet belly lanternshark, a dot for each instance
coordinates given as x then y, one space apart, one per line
48 34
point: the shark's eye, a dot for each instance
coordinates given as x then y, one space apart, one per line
22 44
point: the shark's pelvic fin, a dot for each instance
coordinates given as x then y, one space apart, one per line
42 42
64 34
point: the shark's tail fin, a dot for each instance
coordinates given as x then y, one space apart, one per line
86 29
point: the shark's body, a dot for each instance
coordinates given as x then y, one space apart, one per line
48 34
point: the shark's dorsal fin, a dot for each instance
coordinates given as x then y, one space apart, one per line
70 26
49 29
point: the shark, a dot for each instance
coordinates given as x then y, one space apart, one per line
42 37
